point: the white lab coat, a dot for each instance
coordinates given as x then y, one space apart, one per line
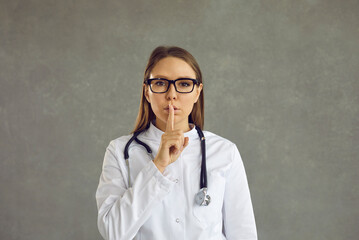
162 206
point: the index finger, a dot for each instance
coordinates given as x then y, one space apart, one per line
170 121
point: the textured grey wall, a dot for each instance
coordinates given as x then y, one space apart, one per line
281 81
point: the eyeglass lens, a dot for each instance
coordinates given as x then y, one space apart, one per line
183 86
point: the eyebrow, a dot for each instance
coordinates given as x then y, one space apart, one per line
162 76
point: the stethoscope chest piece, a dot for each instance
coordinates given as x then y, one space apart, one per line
202 198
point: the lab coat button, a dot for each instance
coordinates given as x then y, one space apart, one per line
176 181
177 220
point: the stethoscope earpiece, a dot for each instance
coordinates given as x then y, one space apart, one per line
202 198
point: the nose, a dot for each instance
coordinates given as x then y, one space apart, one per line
171 93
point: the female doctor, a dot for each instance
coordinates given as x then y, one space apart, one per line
181 185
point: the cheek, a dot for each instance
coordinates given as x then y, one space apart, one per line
188 103
155 102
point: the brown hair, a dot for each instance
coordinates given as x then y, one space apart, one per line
145 113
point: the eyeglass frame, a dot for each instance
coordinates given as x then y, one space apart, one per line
149 80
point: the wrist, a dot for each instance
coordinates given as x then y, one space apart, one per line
159 166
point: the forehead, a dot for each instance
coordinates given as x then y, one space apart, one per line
172 68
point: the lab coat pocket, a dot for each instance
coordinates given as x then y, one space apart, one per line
211 214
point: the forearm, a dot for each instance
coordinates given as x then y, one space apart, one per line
121 216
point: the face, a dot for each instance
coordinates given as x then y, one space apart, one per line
172 68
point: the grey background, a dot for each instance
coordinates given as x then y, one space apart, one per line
280 80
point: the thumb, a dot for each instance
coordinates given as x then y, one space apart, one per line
186 140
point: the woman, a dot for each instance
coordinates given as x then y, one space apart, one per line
164 195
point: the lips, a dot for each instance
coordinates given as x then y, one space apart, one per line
168 107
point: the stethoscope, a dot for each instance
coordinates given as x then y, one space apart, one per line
201 198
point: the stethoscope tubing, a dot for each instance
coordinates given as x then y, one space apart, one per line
203 177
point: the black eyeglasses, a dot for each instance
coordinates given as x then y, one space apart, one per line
161 85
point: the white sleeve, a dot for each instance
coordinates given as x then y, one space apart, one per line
238 216
122 211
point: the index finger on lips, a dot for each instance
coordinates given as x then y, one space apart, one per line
170 120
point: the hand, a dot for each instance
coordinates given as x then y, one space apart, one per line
172 143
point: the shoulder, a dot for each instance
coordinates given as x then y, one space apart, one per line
222 151
117 145
214 140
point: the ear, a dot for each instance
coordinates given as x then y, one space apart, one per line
198 91
146 93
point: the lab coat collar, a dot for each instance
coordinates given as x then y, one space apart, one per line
155 133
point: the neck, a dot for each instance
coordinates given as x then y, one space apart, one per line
184 126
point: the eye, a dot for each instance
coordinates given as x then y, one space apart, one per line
185 83
159 83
